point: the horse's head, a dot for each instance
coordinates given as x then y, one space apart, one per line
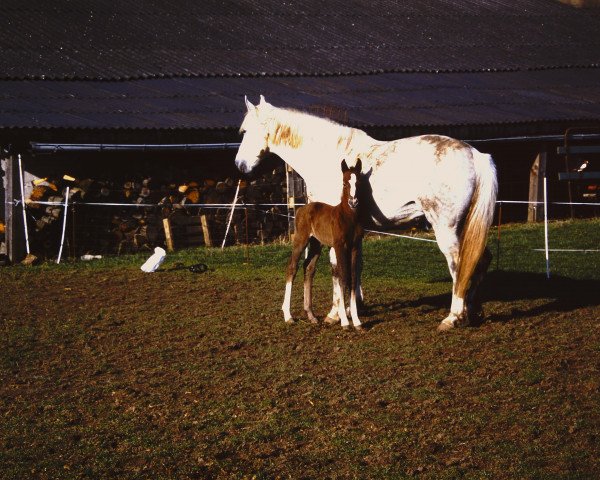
254 144
352 178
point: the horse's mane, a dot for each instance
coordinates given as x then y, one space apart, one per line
291 127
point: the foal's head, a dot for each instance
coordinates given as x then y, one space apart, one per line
352 180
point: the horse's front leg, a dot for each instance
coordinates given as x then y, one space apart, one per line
310 266
354 271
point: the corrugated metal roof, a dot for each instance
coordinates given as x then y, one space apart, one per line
103 39
383 100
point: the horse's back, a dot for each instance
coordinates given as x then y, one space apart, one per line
431 170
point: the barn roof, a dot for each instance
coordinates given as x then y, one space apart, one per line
183 64
103 39
367 101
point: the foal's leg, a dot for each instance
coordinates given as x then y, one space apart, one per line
332 316
310 266
298 246
340 276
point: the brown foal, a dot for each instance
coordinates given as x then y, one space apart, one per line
337 227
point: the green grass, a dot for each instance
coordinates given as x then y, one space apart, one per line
401 258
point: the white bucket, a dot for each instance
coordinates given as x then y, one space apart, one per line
157 258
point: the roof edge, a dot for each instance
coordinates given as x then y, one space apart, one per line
76 78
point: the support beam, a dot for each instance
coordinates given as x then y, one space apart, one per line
13 218
535 212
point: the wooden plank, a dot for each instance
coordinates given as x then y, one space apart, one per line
573 149
168 234
535 209
578 175
206 231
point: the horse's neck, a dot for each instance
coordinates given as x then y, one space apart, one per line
318 156
344 210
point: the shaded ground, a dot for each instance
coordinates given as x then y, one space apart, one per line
112 373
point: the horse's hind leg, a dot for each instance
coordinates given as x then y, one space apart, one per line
360 299
298 247
448 243
310 266
474 307
354 286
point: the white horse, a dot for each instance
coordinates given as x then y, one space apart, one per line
447 180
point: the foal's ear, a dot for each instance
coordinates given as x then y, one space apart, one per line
344 166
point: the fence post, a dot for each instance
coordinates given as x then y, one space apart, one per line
537 172
237 191
546 229
64 227
206 231
168 234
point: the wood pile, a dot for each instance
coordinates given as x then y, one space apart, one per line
128 215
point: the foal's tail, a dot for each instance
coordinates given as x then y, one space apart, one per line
478 221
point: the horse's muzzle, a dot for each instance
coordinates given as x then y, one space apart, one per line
241 165
353 203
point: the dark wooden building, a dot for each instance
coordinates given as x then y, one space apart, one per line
82 82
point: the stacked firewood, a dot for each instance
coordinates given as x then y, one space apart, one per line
126 215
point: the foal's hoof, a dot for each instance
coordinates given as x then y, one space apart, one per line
331 321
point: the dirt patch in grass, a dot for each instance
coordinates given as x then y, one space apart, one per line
113 373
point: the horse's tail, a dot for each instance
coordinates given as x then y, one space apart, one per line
479 218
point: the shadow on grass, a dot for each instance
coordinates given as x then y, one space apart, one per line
565 294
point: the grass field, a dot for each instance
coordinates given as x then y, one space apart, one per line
107 372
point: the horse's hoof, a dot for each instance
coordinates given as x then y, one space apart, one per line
476 316
290 321
346 328
331 321
314 321
445 326
359 329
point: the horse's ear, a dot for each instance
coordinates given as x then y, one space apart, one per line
249 105
262 100
358 165
344 166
